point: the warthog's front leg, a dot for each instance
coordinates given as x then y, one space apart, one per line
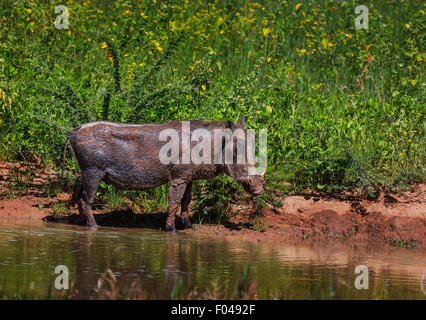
184 206
176 192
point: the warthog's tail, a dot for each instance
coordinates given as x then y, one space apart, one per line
63 161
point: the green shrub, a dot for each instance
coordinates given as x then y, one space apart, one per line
213 199
344 108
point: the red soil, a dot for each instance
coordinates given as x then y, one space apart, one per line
392 218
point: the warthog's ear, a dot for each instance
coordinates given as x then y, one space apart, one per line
240 123
229 125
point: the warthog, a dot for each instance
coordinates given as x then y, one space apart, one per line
128 157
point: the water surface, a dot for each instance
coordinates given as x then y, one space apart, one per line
161 265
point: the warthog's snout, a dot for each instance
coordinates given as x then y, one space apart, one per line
254 185
258 191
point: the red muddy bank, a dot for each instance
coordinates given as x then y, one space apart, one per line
392 219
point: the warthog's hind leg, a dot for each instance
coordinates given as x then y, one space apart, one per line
81 220
184 206
176 192
91 179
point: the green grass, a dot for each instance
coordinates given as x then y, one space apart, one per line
60 210
344 108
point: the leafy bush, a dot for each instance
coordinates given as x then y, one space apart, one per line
343 107
212 200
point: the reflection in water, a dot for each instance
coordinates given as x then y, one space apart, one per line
174 265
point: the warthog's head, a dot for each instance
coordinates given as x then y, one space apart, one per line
244 173
253 184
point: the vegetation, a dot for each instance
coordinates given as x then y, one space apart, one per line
344 107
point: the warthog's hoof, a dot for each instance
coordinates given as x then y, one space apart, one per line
170 228
93 226
187 224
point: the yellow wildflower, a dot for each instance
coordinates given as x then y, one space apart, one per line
266 31
157 45
109 56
